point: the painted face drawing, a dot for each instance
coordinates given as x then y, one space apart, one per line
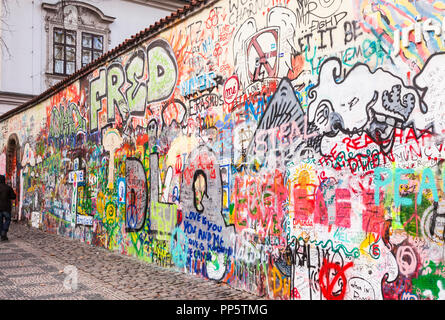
361 101
199 189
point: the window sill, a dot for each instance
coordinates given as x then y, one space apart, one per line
56 75
52 79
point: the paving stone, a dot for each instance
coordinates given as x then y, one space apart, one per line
35 270
19 271
32 279
15 293
6 282
94 296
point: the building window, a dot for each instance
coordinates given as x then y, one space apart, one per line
92 47
64 48
77 33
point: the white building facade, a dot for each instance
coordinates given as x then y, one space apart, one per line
45 41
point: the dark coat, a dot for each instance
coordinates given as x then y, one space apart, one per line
6 195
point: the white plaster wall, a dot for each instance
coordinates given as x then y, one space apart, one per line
130 18
21 33
24 70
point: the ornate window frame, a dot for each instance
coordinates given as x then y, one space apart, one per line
75 16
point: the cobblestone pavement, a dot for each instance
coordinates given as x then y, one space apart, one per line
32 266
27 274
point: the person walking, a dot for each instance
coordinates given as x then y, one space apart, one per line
6 195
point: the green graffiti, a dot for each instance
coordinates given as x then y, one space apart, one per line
115 81
353 253
410 216
66 121
431 283
137 92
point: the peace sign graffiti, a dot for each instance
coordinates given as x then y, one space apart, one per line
327 286
257 46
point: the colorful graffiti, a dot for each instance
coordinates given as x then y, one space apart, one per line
293 149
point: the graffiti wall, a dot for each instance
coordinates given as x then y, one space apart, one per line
290 148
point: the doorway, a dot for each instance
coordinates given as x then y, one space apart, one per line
13 172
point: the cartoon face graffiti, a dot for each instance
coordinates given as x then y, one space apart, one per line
362 101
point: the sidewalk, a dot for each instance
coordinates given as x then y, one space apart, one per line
32 266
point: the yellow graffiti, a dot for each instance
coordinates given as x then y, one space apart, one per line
165 217
364 246
111 214
280 284
100 204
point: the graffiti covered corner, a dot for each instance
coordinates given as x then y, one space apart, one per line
292 149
